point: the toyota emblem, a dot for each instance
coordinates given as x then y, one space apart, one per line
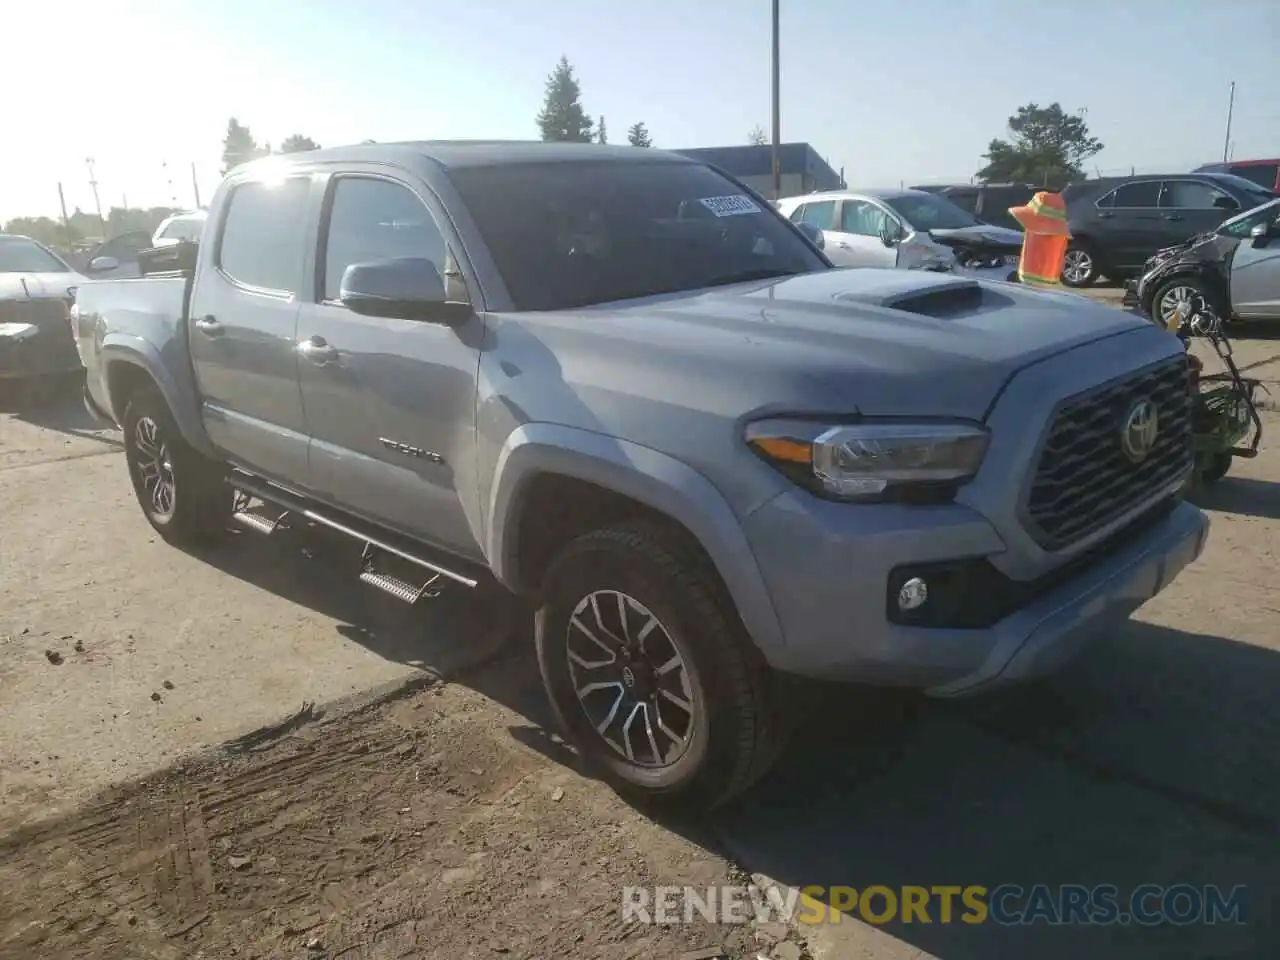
1138 432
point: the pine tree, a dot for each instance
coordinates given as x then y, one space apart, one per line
638 135
238 146
602 135
562 117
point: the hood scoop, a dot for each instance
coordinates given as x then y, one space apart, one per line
936 299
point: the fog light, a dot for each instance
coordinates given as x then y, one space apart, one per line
912 595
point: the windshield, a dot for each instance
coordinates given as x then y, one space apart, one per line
186 229
1239 226
572 234
1250 189
928 211
20 255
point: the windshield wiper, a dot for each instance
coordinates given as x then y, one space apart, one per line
744 276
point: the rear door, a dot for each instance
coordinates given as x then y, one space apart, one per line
822 214
1130 227
243 320
390 403
1189 207
859 234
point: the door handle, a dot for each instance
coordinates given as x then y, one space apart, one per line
1103 215
842 245
209 326
317 350
1172 216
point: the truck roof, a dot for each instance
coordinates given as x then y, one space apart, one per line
476 153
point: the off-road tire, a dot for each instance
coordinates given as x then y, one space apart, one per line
202 501
740 720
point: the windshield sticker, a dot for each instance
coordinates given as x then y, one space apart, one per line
730 206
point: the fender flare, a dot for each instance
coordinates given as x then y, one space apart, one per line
180 397
645 475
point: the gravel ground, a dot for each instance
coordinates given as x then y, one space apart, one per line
445 822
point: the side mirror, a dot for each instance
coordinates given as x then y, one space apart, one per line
408 288
1260 232
103 264
889 233
812 233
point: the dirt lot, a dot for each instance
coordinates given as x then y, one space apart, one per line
446 822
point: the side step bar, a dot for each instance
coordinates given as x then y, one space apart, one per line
373 546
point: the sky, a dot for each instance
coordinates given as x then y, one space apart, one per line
901 91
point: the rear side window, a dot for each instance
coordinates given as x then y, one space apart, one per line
261 244
821 214
1145 193
376 220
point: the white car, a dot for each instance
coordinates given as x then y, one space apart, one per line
180 226
908 229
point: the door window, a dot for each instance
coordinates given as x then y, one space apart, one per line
1194 195
862 218
821 214
372 219
261 244
1144 193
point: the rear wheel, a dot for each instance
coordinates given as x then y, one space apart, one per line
650 673
1192 300
183 494
1080 266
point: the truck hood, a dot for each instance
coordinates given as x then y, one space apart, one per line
38 286
875 342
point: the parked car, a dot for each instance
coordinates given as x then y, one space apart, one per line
1118 222
1234 272
988 202
614 381
908 229
116 258
180 226
37 288
1265 173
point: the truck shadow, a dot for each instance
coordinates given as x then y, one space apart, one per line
54 406
1242 496
1149 760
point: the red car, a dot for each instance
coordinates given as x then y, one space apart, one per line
1265 173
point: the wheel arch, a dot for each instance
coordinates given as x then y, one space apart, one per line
131 363
599 479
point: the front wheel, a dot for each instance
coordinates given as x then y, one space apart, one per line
650 674
183 494
1080 266
1189 302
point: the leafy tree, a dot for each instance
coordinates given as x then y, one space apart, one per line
1046 146
757 137
562 117
40 229
602 135
297 143
238 146
638 135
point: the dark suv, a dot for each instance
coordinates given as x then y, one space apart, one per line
1118 222
989 202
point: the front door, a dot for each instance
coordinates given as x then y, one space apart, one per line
859 235
244 310
1192 207
1255 274
390 404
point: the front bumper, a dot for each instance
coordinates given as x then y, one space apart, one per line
828 567
36 340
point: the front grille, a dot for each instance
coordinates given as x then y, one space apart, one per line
1083 479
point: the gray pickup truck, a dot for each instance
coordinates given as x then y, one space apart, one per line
617 382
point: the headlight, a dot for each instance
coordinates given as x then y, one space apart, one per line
873 461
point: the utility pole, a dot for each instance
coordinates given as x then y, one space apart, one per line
777 110
1231 104
195 184
93 182
66 221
